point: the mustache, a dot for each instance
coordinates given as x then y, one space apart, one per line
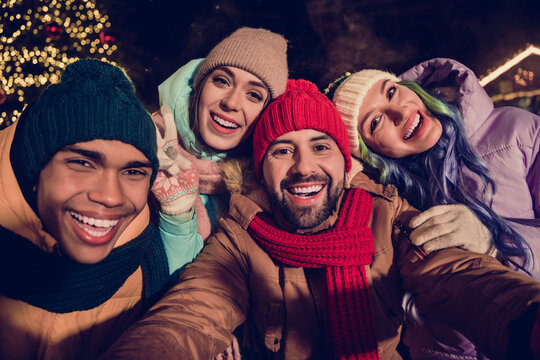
298 179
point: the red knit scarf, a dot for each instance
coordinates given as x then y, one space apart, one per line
343 251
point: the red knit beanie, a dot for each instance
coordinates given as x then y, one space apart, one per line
301 107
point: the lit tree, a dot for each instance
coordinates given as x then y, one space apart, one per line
38 38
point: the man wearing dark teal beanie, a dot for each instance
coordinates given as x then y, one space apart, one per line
80 259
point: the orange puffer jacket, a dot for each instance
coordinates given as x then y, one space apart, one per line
28 332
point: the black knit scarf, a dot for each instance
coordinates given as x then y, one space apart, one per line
60 285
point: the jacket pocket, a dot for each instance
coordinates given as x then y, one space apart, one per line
274 326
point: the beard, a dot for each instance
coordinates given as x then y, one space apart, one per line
306 217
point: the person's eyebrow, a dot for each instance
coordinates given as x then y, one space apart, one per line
320 137
313 139
277 142
257 84
383 85
94 155
251 82
139 164
381 90
99 157
226 70
366 117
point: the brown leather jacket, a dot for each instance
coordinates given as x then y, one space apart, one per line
233 281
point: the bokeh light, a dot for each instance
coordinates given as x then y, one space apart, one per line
38 39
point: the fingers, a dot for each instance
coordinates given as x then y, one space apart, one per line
446 226
173 152
158 122
164 161
168 143
429 231
432 223
159 139
171 134
173 170
182 162
429 213
165 111
440 243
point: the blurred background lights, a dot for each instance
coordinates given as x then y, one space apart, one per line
38 38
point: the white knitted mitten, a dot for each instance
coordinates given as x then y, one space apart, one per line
177 182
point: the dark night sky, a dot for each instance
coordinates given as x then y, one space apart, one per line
327 37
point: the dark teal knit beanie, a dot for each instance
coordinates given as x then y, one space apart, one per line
94 100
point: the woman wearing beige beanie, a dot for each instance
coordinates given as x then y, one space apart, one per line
430 132
213 105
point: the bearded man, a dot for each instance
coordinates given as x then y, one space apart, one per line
315 262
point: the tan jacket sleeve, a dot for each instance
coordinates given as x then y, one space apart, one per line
473 293
195 318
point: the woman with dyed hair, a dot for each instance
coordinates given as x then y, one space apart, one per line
434 133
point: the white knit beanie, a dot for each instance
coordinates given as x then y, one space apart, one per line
349 96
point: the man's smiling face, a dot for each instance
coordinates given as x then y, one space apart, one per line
88 194
304 173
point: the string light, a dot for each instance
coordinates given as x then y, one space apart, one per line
523 77
515 95
38 39
515 60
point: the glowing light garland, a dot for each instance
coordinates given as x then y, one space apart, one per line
515 60
38 38
515 95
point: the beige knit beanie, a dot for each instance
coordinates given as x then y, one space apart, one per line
349 96
258 51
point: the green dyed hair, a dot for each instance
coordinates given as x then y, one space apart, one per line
436 106
435 177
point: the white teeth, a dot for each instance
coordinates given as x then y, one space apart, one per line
100 223
224 122
97 233
306 190
413 127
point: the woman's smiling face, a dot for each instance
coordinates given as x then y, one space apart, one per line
231 101
393 121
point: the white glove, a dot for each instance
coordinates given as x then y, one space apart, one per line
445 226
177 182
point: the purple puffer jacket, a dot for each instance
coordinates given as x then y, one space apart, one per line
508 140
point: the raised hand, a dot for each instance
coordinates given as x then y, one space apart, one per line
177 182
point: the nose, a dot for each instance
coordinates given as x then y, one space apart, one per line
396 113
107 190
303 163
231 101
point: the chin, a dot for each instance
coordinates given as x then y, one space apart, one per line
89 254
92 257
220 142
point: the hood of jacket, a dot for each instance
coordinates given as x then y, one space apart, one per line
442 74
175 93
17 216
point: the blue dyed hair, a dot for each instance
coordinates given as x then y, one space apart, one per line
436 176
